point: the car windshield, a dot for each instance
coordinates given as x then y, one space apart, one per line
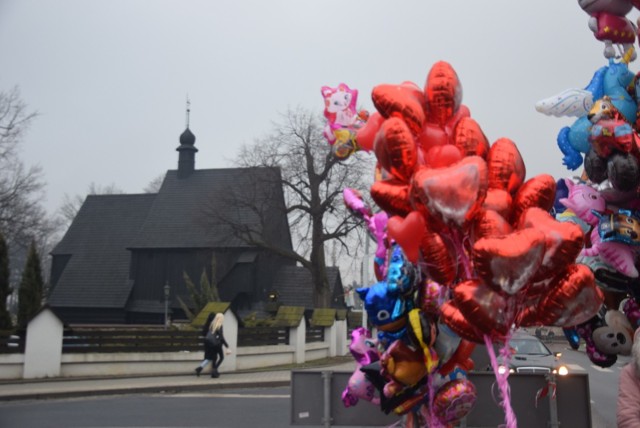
529 346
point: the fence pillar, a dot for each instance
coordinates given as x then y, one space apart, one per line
230 326
297 339
330 338
342 340
43 346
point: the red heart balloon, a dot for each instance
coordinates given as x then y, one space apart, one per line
408 232
500 201
572 299
459 357
395 149
443 91
508 262
405 101
537 288
506 167
453 194
442 156
432 135
539 191
489 224
486 310
455 320
470 139
563 241
441 264
392 196
367 134
436 134
527 314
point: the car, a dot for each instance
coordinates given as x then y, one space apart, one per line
530 355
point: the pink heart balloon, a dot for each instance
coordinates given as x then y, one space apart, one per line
453 194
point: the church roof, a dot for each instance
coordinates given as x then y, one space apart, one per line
294 286
98 242
97 271
178 217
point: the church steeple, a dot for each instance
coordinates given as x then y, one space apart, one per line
186 150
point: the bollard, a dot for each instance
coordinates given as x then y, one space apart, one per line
553 403
326 418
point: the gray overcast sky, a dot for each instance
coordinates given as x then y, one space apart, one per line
110 78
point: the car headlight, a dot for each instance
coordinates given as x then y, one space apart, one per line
563 371
503 369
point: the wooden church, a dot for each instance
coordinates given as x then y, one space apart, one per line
121 251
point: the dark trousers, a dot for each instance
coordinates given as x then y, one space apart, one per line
218 357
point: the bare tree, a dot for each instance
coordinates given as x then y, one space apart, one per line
154 185
312 180
23 219
14 122
20 187
71 204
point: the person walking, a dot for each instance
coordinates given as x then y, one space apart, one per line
214 341
628 407
205 329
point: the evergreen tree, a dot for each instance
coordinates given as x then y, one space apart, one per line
31 288
5 289
208 291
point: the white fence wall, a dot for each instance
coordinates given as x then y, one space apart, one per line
13 366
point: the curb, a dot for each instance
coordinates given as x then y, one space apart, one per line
164 389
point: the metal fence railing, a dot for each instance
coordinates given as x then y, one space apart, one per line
150 339
126 340
263 336
314 334
10 342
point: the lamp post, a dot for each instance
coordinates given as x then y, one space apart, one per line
167 290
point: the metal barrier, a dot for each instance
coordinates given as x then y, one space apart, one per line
316 400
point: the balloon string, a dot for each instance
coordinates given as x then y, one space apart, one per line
461 254
432 420
502 378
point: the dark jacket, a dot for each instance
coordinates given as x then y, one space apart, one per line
210 351
207 324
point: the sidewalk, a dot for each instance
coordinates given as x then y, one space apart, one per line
83 387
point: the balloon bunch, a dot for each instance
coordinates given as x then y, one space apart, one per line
610 252
343 120
608 22
471 250
604 201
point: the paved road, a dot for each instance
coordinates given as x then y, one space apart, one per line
266 408
603 385
254 407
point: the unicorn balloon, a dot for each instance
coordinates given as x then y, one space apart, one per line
364 351
611 80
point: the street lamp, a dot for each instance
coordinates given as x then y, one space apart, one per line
167 290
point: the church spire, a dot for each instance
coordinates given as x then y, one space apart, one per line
186 150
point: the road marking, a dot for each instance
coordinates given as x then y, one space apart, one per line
192 395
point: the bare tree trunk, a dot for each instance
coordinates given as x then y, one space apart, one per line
322 294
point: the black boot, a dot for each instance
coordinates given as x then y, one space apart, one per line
214 372
198 370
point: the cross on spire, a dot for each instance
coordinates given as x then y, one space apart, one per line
188 109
